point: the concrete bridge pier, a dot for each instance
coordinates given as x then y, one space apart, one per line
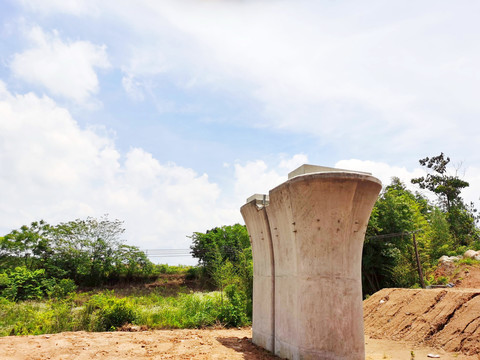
317 224
255 216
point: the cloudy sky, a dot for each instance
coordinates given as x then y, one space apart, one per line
168 114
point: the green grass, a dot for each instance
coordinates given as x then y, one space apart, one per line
172 269
469 261
37 317
105 311
185 311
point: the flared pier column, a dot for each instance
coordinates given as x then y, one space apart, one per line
316 222
263 324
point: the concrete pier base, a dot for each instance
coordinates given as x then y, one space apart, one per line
263 327
317 224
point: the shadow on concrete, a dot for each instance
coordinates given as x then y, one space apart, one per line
245 346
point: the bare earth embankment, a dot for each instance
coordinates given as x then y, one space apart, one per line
447 319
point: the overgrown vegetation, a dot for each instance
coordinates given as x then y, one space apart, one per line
225 263
42 266
106 311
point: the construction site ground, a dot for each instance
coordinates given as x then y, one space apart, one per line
399 324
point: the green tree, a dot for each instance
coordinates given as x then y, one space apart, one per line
441 240
28 246
447 187
462 218
85 248
225 257
220 244
90 251
389 261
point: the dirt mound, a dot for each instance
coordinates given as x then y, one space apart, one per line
444 318
462 275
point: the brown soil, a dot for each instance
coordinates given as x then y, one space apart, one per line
178 344
444 318
160 344
462 275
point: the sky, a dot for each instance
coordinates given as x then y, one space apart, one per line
168 114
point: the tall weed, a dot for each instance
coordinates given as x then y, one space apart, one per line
35 317
105 312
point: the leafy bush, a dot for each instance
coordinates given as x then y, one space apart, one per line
234 312
442 280
22 284
194 273
61 289
105 312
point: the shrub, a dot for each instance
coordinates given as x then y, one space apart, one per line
22 284
234 311
194 273
105 312
61 289
172 269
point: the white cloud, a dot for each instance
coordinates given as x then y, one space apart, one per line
52 169
472 193
74 7
65 69
133 87
374 80
344 72
258 177
294 162
255 178
386 172
382 171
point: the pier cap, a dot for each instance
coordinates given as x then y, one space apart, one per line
309 169
260 199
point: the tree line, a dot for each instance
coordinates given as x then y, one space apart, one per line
41 259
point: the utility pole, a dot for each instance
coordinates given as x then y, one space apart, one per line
419 265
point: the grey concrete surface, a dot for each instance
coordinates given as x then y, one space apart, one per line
263 327
315 224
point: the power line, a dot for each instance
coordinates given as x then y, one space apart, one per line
393 235
155 253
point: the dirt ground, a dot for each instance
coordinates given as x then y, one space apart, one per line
179 344
400 324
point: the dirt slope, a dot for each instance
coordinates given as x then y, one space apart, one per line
462 275
444 318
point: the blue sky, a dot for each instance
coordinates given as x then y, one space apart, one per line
169 114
